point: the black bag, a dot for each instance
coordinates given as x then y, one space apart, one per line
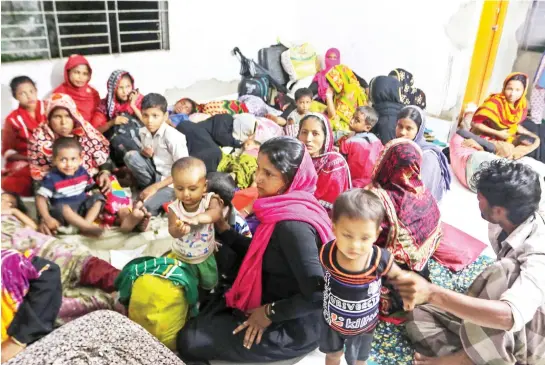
257 86
250 69
270 59
124 138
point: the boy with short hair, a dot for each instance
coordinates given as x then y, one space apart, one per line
62 197
303 101
191 219
361 147
163 145
354 268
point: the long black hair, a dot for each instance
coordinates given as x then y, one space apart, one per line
286 154
412 114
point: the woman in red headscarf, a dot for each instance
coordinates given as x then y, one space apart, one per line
77 74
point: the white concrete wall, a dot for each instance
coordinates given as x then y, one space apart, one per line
432 39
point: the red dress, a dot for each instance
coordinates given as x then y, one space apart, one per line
18 127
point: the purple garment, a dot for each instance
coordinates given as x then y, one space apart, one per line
252 222
17 271
435 170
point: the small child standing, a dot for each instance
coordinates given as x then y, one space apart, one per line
361 148
162 146
354 267
62 197
191 219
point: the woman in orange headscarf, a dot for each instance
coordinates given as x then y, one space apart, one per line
499 118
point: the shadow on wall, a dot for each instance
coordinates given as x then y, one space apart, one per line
202 90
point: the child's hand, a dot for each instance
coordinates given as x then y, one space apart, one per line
133 97
183 227
50 226
290 121
147 193
191 221
503 134
119 120
7 211
147 151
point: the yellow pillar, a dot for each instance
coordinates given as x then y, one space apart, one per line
485 50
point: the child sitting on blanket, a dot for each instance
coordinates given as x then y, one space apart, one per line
353 268
62 197
360 147
303 101
191 219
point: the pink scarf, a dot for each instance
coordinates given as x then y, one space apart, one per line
320 76
297 204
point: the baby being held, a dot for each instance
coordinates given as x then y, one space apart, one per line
191 219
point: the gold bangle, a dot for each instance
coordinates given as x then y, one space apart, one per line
15 341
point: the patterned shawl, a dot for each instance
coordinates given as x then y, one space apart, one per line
110 106
17 271
498 113
332 169
412 231
320 77
95 147
410 95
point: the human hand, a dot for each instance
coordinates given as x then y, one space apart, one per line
255 325
7 211
183 228
120 119
147 151
290 121
147 193
133 96
413 288
49 226
472 144
10 349
104 183
503 134
193 221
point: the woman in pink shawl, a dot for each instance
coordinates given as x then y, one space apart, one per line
272 311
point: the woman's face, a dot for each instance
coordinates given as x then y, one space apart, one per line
268 178
61 122
406 128
26 95
79 76
312 135
124 89
513 90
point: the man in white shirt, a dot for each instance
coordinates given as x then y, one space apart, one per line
501 320
163 145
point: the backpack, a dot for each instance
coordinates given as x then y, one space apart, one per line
124 138
257 86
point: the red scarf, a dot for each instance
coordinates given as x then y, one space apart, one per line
86 97
332 169
297 204
412 229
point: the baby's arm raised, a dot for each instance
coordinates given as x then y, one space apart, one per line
213 214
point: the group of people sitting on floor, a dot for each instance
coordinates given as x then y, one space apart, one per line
338 223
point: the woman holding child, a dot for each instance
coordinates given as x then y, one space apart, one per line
272 312
331 167
18 127
411 230
64 120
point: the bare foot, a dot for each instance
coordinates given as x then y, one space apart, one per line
131 221
458 358
144 224
91 230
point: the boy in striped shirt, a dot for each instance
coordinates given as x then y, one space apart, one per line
354 268
62 197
